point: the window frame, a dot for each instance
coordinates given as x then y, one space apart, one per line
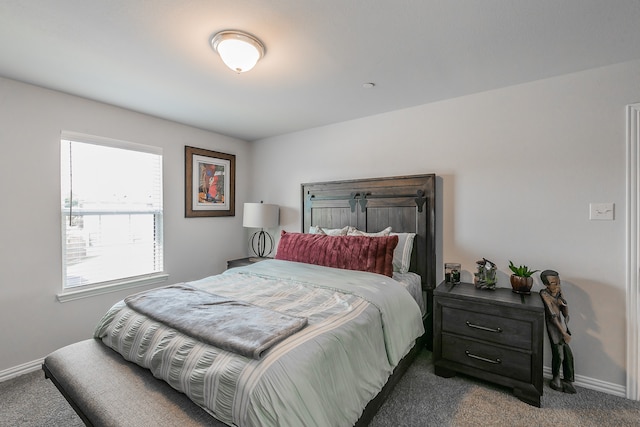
83 291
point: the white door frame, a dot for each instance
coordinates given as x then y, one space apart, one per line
633 251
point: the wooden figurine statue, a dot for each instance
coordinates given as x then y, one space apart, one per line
556 309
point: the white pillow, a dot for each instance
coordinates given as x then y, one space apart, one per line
402 252
314 229
355 232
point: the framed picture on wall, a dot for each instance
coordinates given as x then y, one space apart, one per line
210 183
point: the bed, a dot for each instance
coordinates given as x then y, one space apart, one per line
361 329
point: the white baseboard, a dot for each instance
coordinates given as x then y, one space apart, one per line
25 368
593 384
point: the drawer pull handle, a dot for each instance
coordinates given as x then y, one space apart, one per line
483 328
484 359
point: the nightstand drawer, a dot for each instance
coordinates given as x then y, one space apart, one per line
487 327
489 358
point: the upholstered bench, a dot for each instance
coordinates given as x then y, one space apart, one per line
106 390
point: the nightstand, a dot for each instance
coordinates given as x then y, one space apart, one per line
495 335
241 262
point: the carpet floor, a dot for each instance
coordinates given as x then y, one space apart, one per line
420 399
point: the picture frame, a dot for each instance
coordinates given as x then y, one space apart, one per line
210 183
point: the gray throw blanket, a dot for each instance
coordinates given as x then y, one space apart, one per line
235 326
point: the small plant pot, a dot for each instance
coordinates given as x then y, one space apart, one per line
521 285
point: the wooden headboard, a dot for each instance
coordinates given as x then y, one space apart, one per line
406 203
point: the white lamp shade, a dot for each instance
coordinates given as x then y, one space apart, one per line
239 51
260 215
238 55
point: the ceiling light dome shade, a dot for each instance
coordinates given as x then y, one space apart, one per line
239 51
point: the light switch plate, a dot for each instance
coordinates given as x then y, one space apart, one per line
601 211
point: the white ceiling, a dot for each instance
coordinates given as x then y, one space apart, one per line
153 56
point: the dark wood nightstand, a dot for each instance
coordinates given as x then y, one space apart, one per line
241 262
494 335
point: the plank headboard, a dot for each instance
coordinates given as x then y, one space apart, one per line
406 203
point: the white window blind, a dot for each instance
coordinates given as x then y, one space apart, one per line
111 211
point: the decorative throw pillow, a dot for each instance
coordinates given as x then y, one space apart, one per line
362 253
402 253
315 229
356 232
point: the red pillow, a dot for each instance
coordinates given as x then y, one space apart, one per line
363 253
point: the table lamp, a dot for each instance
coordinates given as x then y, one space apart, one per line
261 215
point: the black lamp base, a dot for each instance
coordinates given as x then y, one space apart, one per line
259 243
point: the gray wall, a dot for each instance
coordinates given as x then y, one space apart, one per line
33 322
518 168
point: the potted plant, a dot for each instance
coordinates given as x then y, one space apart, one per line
521 280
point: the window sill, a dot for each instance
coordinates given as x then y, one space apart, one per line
105 288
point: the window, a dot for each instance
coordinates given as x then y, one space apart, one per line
111 203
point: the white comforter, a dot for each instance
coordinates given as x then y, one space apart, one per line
360 326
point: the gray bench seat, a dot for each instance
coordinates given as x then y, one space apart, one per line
106 390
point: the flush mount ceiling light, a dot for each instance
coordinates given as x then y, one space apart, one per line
239 51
